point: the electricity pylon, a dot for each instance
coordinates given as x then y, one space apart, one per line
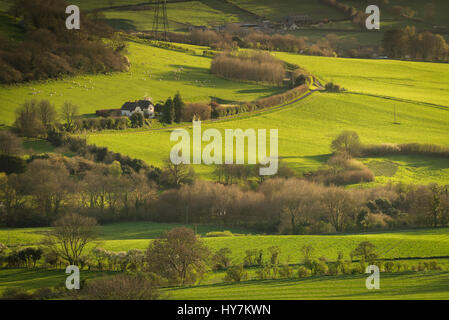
160 22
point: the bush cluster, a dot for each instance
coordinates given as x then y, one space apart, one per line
50 50
258 66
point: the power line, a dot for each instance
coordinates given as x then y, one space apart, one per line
160 21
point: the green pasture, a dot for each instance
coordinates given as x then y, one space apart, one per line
32 280
423 83
276 10
420 243
393 286
400 244
155 72
407 245
402 285
307 128
180 16
120 231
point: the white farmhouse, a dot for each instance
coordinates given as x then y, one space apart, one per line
143 106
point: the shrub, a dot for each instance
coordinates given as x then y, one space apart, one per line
253 257
43 293
221 259
198 111
389 266
12 164
405 149
225 233
319 267
264 272
16 294
281 98
285 271
303 272
236 274
137 120
121 287
331 87
433 265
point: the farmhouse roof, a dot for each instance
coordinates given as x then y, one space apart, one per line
131 106
298 18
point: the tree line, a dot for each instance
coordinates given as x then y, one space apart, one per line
111 187
257 66
407 43
50 50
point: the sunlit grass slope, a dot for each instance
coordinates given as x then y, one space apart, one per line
307 128
180 16
393 286
155 72
424 243
416 81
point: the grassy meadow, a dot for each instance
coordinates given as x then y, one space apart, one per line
181 15
393 286
386 101
401 244
155 72
307 128
421 83
410 246
421 243
279 9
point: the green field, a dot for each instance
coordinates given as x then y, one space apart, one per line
155 72
36 279
420 83
276 10
418 91
410 245
181 15
120 231
424 243
396 286
307 128
401 244
404 285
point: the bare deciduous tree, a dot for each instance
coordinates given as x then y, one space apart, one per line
69 112
175 175
10 144
72 232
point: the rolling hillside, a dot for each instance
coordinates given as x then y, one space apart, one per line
306 129
156 72
422 285
421 243
410 245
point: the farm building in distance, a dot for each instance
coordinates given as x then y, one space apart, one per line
144 106
200 28
297 20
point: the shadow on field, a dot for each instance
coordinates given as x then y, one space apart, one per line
417 161
192 73
268 91
421 103
123 24
318 157
402 284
